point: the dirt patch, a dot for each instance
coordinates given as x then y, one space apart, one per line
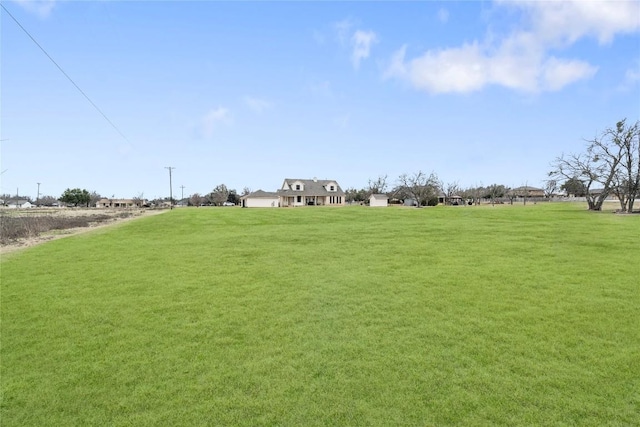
26 228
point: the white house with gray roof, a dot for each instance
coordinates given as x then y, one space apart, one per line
315 192
378 200
260 199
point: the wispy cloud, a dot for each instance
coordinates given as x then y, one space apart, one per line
256 104
322 88
343 30
41 8
361 42
521 60
213 119
631 77
443 15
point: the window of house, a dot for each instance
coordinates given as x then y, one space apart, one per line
299 199
332 188
297 186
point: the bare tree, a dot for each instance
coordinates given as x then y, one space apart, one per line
599 165
94 198
47 200
420 186
626 182
378 186
219 195
196 199
139 200
495 191
550 187
450 190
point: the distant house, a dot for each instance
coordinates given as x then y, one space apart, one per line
526 191
120 203
378 200
260 199
19 204
316 192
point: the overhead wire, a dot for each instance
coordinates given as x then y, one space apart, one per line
65 74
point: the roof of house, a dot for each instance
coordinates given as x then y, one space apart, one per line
527 188
17 201
379 196
312 187
259 194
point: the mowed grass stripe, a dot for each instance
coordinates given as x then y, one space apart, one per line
318 316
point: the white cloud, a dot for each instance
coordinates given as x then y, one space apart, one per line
557 73
631 77
256 104
361 42
41 8
566 21
212 119
520 60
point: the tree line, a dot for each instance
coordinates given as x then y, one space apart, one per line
428 190
609 165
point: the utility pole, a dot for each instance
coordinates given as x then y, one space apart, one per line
170 187
182 194
38 196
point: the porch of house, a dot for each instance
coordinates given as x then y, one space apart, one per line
301 200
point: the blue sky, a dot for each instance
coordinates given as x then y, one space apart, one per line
250 93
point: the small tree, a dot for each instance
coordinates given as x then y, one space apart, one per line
574 187
626 182
139 200
550 187
76 197
196 199
605 162
419 186
495 191
450 190
94 198
233 197
219 195
377 186
47 200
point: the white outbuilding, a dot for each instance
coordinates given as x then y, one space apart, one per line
378 200
260 199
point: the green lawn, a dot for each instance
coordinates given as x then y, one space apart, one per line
506 315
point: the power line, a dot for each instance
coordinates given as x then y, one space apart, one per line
65 74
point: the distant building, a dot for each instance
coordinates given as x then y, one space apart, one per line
378 200
120 203
260 199
19 204
314 192
526 191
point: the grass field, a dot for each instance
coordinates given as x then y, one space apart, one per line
511 315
